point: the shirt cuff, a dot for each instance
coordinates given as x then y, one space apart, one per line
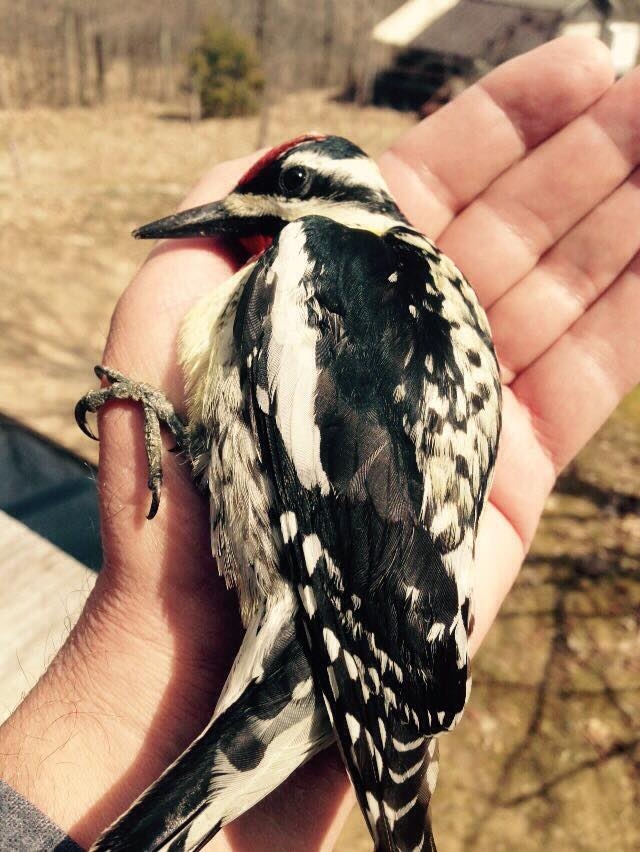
24 828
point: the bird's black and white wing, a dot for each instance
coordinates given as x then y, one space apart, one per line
270 717
269 720
371 386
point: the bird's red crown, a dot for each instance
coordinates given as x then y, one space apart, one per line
273 153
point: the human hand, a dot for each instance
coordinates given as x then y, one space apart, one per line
532 197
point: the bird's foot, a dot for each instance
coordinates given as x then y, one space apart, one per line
156 408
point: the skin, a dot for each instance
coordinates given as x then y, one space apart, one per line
529 181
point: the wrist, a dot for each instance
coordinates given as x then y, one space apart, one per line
105 719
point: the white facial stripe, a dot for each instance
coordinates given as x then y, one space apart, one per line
356 171
247 204
346 212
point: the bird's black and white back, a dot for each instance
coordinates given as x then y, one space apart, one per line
367 374
344 413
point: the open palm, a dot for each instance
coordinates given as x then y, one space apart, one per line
527 181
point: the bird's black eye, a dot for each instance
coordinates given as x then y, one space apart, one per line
294 181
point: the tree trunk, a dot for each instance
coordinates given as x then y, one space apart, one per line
328 36
262 24
67 95
166 61
81 56
98 47
5 87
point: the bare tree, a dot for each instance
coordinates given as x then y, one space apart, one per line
83 51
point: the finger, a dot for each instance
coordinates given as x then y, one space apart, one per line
142 344
438 167
552 409
524 472
499 555
575 385
144 330
567 280
571 389
501 236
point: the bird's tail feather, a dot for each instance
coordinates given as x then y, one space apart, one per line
401 822
273 726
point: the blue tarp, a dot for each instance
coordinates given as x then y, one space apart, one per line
51 491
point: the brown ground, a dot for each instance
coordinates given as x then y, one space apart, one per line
549 753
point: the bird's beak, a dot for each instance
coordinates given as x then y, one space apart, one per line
215 219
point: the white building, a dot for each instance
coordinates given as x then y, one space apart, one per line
427 40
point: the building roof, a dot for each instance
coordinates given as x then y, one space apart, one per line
505 28
563 6
463 23
401 27
625 44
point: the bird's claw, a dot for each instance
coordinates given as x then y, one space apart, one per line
155 489
156 409
80 413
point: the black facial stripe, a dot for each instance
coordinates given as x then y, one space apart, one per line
330 188
246 225
264 183
323 187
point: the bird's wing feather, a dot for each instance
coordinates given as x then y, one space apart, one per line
270 720
348 362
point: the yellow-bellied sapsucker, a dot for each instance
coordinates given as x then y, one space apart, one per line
343 413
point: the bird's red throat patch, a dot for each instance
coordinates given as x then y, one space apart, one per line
255 245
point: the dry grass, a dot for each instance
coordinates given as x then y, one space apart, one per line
548 756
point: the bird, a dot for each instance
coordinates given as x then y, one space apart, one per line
343 414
